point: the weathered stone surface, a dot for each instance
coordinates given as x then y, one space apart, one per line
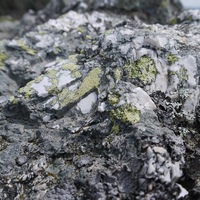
101 107
151 12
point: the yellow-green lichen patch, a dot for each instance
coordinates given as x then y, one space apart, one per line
115 129
171 58
3 57
81 29
88 37
27 91
90 82
13 100
113 99
183 76
26 48
57 50
7 18
126 113
39 79
143 69
108 32
73 68
117 74
51 73
190 18
70 66
172 21
73 58
171 73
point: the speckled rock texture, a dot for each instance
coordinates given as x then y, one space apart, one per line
96 105
151 11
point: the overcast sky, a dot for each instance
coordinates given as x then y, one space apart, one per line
191 3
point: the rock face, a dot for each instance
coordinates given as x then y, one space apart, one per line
95 105
152 12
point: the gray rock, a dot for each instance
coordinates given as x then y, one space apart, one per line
101 112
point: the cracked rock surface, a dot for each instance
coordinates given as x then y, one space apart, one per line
96 105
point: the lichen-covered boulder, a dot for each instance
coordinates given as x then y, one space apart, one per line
102 108
151 12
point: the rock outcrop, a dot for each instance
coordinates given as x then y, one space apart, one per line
96 105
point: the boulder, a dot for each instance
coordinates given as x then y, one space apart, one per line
96 105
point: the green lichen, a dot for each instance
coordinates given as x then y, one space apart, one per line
13 100
90 82
171 58
57 50
51 74
73 68
190 18
171 73
113 99
80 29
88 37
115 129
27 91
3 57
108 32
82 52
126 113
164 4
26 48
76 74
117 74
172 21
73 58
6 18
39 79
143 69
70 66
183 76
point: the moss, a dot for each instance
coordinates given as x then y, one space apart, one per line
113 99
26 48
171 58
126 113
3 57
144 69
90 82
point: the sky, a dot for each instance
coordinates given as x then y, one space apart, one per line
191 3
